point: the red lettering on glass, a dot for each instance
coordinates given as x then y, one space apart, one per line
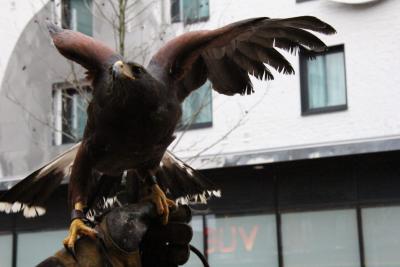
222 240
212 240
233 237
248 240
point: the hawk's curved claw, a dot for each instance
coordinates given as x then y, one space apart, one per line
77 228
161 201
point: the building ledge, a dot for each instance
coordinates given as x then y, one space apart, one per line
352 147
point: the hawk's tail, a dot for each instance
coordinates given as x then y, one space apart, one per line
31 193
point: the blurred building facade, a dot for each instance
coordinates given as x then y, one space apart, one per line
308 165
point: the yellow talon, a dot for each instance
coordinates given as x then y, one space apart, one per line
78 228
161 201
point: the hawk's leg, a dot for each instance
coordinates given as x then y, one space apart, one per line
80 185
159 198
78 228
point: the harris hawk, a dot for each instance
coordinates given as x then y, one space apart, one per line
135 109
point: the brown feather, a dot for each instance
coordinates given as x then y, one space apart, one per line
86 51
253 67
227 78
256 39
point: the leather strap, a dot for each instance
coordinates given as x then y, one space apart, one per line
77 214
152 179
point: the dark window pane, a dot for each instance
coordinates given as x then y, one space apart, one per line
324 81
175 11
197 108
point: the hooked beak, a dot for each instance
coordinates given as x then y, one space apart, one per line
119 69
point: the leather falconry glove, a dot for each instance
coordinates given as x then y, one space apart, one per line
168 245
120 234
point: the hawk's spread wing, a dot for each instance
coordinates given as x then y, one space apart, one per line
93 55
226 56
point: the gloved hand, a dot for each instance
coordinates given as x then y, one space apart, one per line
130 235
168 245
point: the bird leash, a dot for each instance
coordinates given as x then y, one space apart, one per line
200 255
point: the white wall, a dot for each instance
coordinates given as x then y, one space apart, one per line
14 16
371 37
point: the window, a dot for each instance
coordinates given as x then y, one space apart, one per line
34 247
77 16
69 113
197 109
320 239
323 81
242 241
6 247
381 236
189 11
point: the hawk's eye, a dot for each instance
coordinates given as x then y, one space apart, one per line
137 70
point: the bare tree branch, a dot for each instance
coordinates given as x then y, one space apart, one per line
224 136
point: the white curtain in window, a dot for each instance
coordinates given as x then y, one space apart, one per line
34 247
316 82
6 245
326 81
320 239
381 228
336 84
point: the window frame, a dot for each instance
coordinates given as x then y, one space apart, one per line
304 93
57 124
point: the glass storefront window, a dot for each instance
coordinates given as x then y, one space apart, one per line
6 244
381 229
197 241
34 247
320 239
242 241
